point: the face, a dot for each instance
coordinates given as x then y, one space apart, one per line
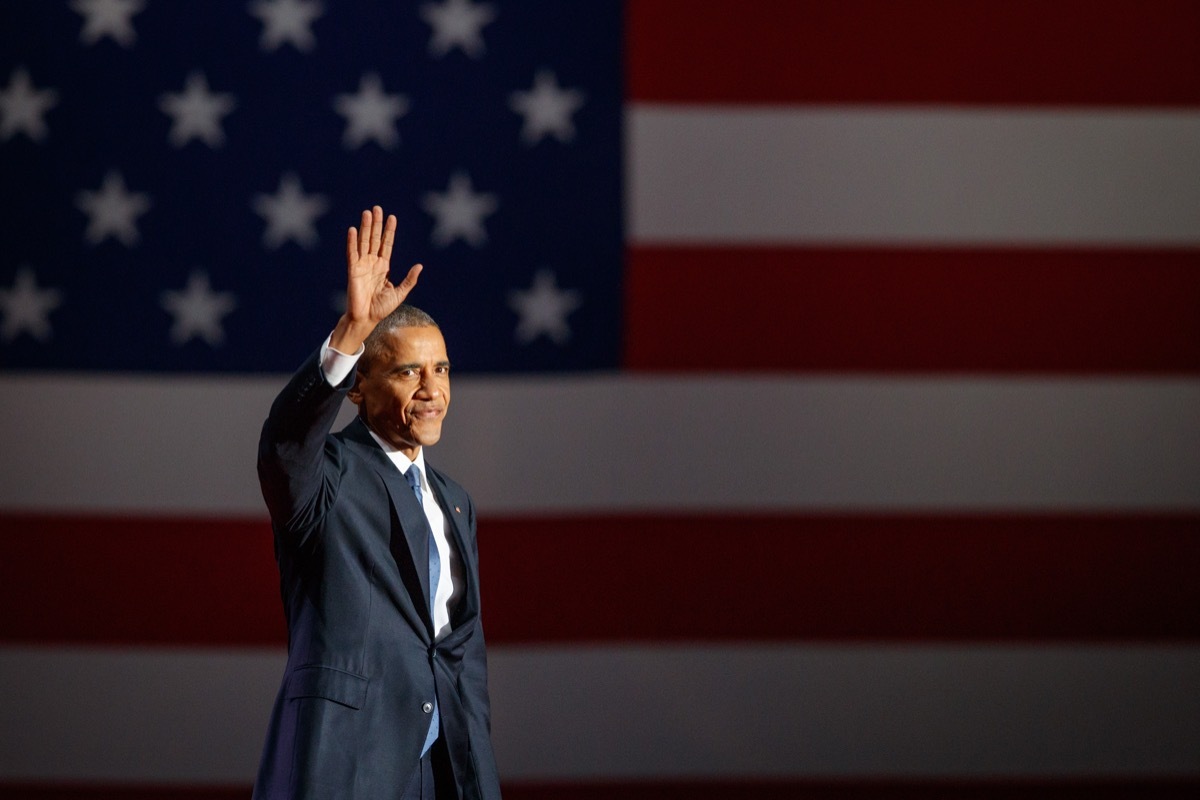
403 394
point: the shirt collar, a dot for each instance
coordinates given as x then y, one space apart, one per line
398 458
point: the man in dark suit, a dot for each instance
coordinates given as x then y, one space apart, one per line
385 691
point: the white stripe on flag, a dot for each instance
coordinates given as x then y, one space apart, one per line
932 176
183 716
623 443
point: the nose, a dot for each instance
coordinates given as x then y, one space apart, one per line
428 387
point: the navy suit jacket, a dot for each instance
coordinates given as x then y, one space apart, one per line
351 542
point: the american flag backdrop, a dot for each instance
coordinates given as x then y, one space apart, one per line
827 377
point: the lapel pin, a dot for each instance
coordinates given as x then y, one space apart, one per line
457 510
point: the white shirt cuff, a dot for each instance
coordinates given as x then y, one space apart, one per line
336 365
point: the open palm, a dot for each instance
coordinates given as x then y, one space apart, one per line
370 294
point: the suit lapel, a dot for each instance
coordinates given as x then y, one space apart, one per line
406 509
455 508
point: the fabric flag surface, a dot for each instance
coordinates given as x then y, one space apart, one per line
827 377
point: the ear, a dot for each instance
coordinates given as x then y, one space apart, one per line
355 393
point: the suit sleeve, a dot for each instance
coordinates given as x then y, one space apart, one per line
297 469
474 675
473 683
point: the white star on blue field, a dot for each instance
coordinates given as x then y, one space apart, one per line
191 168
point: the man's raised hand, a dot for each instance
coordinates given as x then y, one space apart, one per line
370 294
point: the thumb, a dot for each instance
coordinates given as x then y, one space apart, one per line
410 280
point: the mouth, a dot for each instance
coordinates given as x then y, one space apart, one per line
425 413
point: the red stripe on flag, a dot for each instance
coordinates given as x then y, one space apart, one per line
1023 52
877 789
695 578
136 580
844 578
912 310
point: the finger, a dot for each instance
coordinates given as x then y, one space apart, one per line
364 234
351 245
376 228
389 237
410 280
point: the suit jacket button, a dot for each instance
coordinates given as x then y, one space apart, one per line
427 708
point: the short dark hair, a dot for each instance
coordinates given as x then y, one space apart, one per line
405 316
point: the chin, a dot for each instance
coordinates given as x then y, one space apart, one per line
427 436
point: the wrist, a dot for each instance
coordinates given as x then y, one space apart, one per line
349 334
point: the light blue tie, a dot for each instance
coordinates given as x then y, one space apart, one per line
435 571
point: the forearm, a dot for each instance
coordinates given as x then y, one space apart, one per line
475 674
292 442
475 697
